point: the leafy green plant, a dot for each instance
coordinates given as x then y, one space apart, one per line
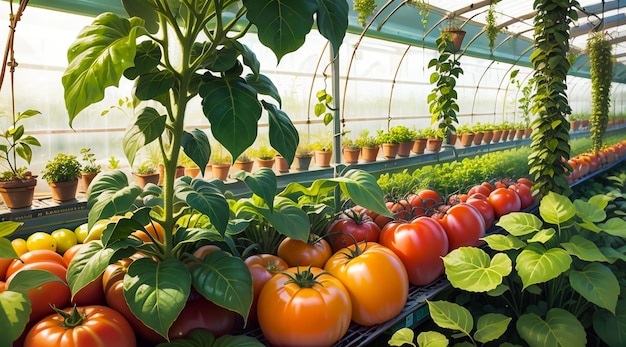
549 280
364 9
146 168
113 162
432 133
365 140
89 158
263 152
323 106
464 129
62 168
491 28
601 71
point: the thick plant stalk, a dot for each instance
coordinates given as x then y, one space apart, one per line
601 73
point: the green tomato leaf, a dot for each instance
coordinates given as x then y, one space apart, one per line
560 328
432 339
361 187
520 223
584 249
288 218
491 326
6 249
543 236
614 226
598 284
207 199
332 21
157 292
401 337
262 183
196 146
98 58
600 200
283 134
14 314
29 279
556 209
147 128
224 280
471 269
110 195
451 316
611 327
589 212
538 265
500 242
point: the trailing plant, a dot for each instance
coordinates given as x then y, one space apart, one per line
364 9
62 168
601 71
442 99
89 160
323 106
550 138
491 28
424 10
549 280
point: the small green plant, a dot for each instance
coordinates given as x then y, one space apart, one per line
365 140
464 129
113 162
17 145
221 158
364 9
432 133
63 168
491 28
264 152
89 158
323 106
146 168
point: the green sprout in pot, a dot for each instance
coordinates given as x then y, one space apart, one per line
89 158
146 168
365 140
63 168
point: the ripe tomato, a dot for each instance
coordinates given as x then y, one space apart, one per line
51 293
424 201
457 198
65 238
479 201
262 267
314 312
4 266
354 227
479 188
401 209
19 246
463 224
504 201
526 181
98 326
153 230
41 240
488 185
420 245
299 253
71 252
92 293
525 195
200 313
3 286
42 255
375 279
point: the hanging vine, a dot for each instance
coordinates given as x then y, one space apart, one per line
601 70
364 9
550 138
491 29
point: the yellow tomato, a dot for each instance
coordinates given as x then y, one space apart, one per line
41 240
95 233
81 232
65 238
19 245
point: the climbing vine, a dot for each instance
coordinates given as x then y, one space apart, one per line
601 69
491 29
550 138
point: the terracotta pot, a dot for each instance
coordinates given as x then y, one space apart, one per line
322 158
369 154
434 145
574 125
528 132
143 179
497 136
452 139
505 134
303 161
519 134
512 134
457 37
243 165
404 150
281 164
419 146
180 171
390 150
192 172
18 194
268 163
63 191
220 171
478 137
351 155
86 179
584 123
488 136
467 139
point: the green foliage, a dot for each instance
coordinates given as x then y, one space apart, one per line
17 145
364 9
601 71
89 158
113 162
145 168
491 29
550 138
323 106
365 140
63 168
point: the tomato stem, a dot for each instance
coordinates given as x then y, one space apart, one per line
305 278
71 319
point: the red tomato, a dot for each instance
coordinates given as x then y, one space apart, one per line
424 201
526 181
457 198
490 186
525 195
299 253
262 267
315 312
420 245
201 313
479 188
354 227
375 278
464 226
99 326
401 209
51 293
92 293
69 254
40 255
504 201
483 206
4 266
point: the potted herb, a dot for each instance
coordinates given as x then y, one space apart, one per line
420 142
323 152
191 169
304 155
244 162
434 138
146 173
265 156
90 168
62 174
350 151
389 143
220 165
466 135
369 145
406 137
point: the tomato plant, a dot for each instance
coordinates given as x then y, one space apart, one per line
315 252
479 188
354 226
504 201
200 313
262 267
375 278
420 244
82 326
463 224
304 307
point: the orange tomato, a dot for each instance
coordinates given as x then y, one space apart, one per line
155 231
300 253
4 265
36 256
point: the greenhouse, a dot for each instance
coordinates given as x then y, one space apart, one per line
313 173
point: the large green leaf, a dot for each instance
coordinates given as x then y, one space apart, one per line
287 217
543 236
14 312
232 108
611 327
614 226
432 339
491 326
401 337
559 329
6 249
157 292
537 265
196 146
28 279
500 242
263 85
98 58
262 183
600 200
556 209
281 24
363 190
153 85
584 249
283 134
598 284
589 212
8 227
110 195
205 197
332 21
520 223
204 338
451 316
224 280
148 126
145 10
471 269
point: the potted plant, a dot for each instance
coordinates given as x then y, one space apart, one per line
479 133
434 139
420 142
191 169
350 150
281 163
389 143
323 152
244 162
90 169
146 173
369 145
454 35
62 174
406 137
466 135
304 155
265 156
220 165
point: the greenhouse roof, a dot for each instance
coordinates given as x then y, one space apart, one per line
400 21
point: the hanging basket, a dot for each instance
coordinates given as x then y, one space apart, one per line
457 35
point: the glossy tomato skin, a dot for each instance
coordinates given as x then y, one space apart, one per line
358 227
424 201
36 256
464 226
201 313
299 253
525 195
318 316
4 266
262 268
479 188
479 201
102 326
376 280
420 245
504 201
